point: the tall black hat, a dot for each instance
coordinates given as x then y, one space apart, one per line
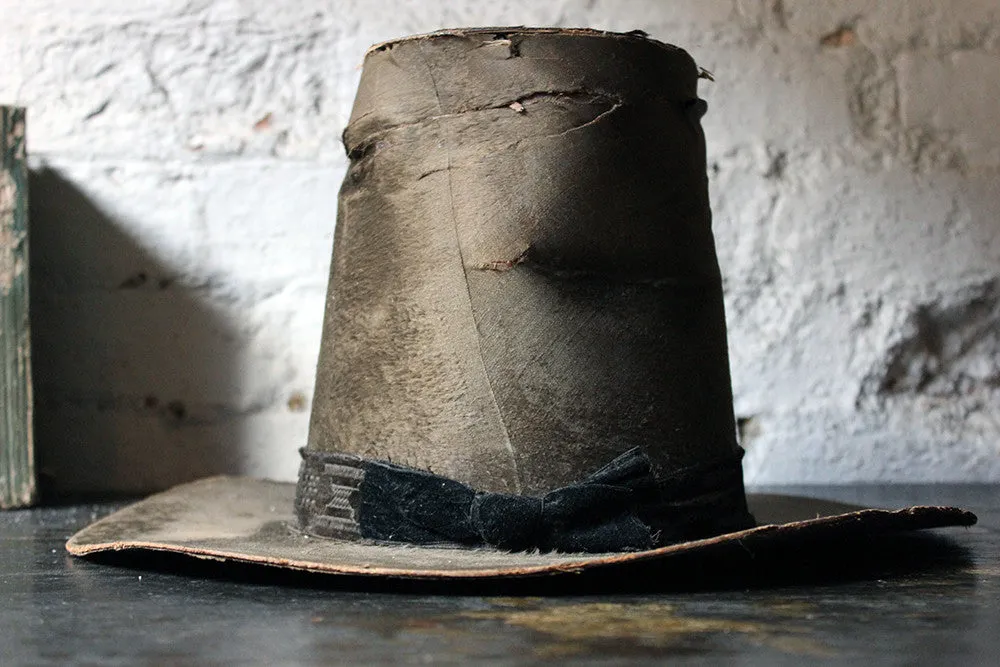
524 365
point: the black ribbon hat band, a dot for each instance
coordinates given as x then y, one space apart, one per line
621 507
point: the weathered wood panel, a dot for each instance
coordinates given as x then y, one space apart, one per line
17 475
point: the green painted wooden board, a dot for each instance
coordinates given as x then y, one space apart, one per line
17 474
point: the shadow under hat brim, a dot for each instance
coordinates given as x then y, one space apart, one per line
251 521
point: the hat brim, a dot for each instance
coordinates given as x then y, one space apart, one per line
251 521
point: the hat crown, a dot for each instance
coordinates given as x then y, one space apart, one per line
524 281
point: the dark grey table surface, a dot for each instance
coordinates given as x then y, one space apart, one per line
933 599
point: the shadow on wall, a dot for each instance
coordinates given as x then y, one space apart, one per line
131 364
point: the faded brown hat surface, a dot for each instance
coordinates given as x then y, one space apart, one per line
524 366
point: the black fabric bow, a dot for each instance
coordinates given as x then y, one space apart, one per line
595 515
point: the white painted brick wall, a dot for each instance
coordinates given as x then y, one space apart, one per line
187 157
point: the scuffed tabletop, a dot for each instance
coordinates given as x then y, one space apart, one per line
911 601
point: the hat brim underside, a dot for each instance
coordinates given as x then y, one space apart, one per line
251 521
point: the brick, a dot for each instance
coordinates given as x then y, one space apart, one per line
196 145
954 95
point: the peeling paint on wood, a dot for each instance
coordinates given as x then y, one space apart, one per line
17 478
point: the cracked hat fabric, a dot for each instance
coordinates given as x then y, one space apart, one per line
524 281
524 290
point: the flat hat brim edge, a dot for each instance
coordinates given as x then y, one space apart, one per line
251 521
